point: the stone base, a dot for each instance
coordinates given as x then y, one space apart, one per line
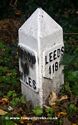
40 97
34 97
52 85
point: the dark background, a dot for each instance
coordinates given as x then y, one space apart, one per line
60 10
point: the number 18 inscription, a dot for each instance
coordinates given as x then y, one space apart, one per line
54 67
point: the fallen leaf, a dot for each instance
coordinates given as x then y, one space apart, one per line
29 123
1 101
61 114
2 112
63 98
22 122
52 98
24 119
74 124
4 101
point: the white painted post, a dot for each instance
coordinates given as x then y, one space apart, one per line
40 50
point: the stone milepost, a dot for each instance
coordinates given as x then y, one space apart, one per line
40 51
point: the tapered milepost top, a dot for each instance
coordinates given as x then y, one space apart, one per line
40 24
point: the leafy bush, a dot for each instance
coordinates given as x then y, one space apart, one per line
11 94
49 111
70 61
66 89
38 111
59 122
15 99
9 75
72 110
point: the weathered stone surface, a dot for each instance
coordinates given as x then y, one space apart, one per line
40 49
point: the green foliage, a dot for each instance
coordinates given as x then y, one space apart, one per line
4 121
72 110
3 70
59 122
9 122
70 61
49 111
11 94
8 68
66 89
73 76
70 58
73 80
74 88
2 46
38 111
15 99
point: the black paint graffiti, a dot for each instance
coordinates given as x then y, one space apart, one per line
27 60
